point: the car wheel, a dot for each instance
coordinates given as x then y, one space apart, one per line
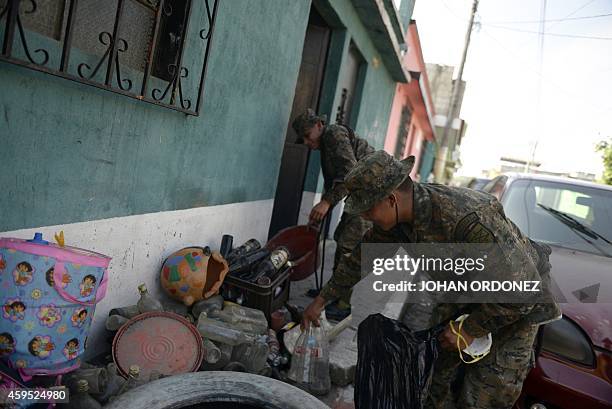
216 390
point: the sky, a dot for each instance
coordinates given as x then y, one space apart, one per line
503 71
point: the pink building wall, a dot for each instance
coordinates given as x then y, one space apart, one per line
417 97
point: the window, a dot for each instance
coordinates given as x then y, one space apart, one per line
402 132
151 50
564 214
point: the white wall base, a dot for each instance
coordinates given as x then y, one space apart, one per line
139 244
309 199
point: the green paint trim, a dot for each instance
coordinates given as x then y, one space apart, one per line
72 153
406 9
396 23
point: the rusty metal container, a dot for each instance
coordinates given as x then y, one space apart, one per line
158 341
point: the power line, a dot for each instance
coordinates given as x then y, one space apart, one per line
548 34
549 20
560 89
588 3
452 12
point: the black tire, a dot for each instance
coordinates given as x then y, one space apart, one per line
185 390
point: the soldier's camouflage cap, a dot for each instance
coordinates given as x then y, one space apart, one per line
373 178
305 121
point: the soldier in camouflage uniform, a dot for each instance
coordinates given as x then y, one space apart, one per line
340 150
406 212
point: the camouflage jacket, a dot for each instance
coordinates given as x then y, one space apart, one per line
457 215
340 151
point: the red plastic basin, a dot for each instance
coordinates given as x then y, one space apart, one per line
301 241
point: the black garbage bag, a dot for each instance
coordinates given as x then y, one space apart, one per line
394 364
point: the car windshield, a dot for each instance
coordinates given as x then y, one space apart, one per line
562 214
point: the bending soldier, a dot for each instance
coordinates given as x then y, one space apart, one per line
340 150
379 188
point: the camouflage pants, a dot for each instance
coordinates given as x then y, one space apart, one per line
495 382
348 234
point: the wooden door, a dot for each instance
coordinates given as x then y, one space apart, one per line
294 162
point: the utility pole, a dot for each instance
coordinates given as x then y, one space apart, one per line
538 111
440 165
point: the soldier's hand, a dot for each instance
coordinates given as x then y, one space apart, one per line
448 340
312 312
319 211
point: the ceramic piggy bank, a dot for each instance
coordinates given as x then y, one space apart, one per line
193 273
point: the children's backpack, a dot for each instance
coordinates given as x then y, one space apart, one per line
48 295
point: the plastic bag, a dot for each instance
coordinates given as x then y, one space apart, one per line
394 364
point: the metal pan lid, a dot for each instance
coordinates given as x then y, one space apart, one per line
158 341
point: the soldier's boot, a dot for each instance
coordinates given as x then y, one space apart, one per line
340 309
337 311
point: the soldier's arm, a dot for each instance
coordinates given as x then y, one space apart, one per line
490 226
348 271
340 152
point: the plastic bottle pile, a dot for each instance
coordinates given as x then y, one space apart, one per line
234 337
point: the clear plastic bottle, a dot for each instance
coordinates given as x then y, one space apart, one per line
114 322
129 311
207 305
175 307
298 359
213 353
224 358
310 362
97 379
219 331
114 384
133 380
246 327
249 327
147 303
82 399
246 319
273 348
252 355
319 380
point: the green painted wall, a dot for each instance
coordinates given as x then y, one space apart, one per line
405 12
70 152
378 86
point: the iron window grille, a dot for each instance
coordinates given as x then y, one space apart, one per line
143 49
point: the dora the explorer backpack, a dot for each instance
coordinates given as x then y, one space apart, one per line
48 295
